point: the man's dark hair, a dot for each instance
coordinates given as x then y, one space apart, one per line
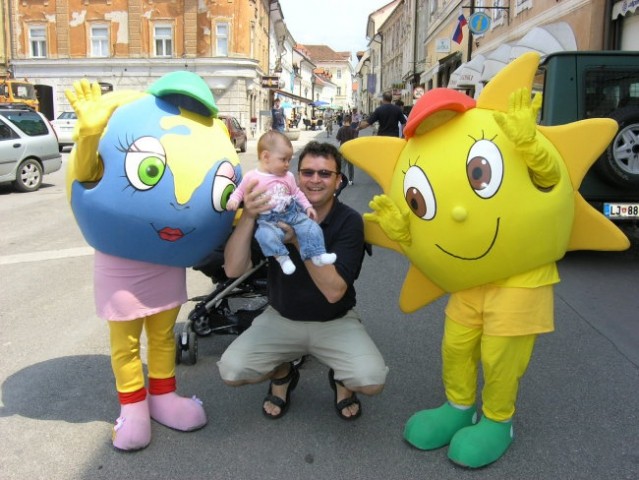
387 96
325 150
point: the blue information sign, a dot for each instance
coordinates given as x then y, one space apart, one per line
479 23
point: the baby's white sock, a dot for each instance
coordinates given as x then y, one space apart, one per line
324 259
288 267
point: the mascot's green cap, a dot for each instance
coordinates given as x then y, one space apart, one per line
187 90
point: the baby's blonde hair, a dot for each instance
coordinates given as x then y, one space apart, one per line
270 139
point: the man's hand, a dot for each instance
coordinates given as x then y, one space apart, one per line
289 234
255 200
392 221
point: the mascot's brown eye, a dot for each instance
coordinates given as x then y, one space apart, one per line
416 202
485 168
479 173
419 194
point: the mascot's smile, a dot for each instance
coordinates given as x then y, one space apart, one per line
490 247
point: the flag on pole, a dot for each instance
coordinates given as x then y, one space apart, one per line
458 36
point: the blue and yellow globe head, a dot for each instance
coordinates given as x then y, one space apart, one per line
169 167
459 199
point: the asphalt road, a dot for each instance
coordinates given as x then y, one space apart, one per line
577 412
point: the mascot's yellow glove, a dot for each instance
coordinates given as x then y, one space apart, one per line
520 126
392 221
93 112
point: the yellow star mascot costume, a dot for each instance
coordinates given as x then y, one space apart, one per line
483 202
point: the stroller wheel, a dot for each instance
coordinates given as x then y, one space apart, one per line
201 325
178 348
192 348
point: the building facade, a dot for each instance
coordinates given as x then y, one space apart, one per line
423 44
128 44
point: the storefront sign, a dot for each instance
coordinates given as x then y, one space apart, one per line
270 82
442 45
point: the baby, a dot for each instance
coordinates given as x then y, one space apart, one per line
288 205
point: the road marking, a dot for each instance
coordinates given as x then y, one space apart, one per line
46 255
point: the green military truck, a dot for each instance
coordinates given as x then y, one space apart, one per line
578 85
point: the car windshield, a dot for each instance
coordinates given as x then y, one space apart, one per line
67 116
28 121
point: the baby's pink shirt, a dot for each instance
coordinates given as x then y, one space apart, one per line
282 189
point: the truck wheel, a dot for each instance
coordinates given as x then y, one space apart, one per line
619 165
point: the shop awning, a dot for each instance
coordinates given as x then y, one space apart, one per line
495 61
546 39
292 96
470 72
454 78
624 7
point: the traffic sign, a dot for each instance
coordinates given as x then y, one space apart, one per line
478 23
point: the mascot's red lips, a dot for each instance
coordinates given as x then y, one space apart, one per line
171 234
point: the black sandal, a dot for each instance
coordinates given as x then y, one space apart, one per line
347 402
292 377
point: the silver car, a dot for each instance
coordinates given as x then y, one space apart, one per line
28 147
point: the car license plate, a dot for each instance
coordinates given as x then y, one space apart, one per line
621 210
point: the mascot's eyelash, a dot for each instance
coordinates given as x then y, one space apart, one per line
127 145
411 165
483 137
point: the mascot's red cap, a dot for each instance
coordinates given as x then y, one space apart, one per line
435 107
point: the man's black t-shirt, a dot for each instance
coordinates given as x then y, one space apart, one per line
389 117
296 296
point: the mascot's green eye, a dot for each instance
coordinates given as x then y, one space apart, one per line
145 163
224 184
151 170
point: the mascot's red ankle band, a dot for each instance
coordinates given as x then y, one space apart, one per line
159 386
132 397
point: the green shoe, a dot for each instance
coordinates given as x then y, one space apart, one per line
431 429
481 444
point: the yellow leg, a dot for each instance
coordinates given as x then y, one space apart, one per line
125 355
161 340
460 358
504 361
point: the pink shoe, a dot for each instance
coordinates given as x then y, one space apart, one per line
179 413
132 430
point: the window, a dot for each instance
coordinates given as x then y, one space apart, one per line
99 41
222 39
339 91
163 35
338 74
38 42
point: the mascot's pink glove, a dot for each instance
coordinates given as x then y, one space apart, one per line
391 220
520 126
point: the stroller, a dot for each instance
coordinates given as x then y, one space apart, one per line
228 310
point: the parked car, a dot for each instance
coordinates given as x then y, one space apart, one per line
63 126
28 147
237 133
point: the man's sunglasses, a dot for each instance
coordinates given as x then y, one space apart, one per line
309 172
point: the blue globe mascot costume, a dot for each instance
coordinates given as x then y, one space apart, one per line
148 180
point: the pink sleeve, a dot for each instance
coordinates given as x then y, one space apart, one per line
238 194
297 193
